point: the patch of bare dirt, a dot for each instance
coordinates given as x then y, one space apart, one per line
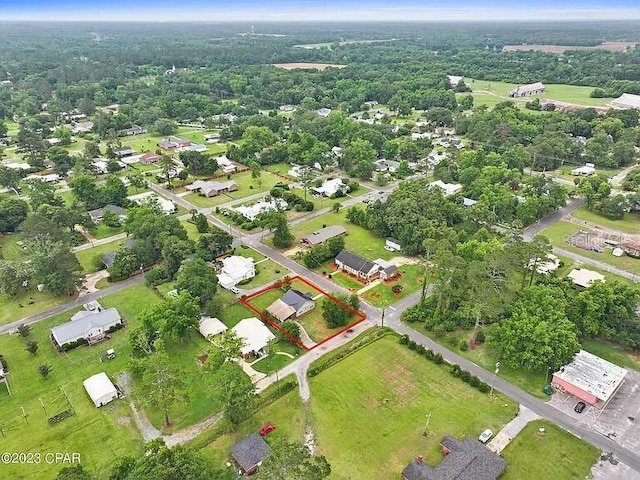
559 49
307 66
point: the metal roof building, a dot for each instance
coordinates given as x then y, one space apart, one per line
590 378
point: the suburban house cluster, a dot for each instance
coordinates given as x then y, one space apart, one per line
253 332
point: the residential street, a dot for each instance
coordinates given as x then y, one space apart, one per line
392 320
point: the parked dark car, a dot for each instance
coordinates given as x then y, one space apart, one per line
580 406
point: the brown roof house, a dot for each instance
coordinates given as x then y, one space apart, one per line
464 460
250 452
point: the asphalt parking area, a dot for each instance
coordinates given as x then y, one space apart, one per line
619 420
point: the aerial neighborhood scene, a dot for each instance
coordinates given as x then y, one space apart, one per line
319 240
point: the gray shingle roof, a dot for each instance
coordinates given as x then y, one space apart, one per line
83 322
296 299
324 234
99 212
468 460
250 451
355 261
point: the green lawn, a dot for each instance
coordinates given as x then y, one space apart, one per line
411 277
281 168
10 250
344 280
267 271
102 231
99 435
27 303
358 239
232 315
272 363
191 229
369 411
86 257
556 454
246 186
560 92
613 353
560 231
630 223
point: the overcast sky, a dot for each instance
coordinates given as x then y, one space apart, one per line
316 10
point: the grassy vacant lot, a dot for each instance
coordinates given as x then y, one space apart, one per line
560 231
267 271
26 303
232 315
102 231
370 411
613 353
10 250
86 257
246 186
411 278
98 435
630 223
358 240
563 93
557 453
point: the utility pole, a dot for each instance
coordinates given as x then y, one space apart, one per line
426 426
382 319
495 374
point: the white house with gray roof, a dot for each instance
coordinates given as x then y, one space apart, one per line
89 325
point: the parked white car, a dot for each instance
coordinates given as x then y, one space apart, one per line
485 436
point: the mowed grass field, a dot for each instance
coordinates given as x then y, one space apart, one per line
630 223
578 95
556 454
99 435
369 411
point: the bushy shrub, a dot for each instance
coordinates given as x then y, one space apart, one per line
464 346
404 339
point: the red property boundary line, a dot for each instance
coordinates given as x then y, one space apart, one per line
361 317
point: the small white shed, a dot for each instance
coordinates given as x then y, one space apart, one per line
100 389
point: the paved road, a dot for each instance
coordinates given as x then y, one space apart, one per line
102 241
392 320
596 263
532 230
78 302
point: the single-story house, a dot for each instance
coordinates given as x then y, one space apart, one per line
226 165
97 214
468 202
626 100
173 143
300 302
297 171
210 327
194 147
280 310
545 266
132 130
324 234
149 158
585 170
251 212
287 108
387 270
90 325
146 198
528 90
211 136
236 269
212 188
331 187
82 127
109 257
584 278
49 178
250 452
255 336
356 265
124 152
590 378
447 188
467 459
324 112
454 80
383 165
17 165
392 244
100 389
